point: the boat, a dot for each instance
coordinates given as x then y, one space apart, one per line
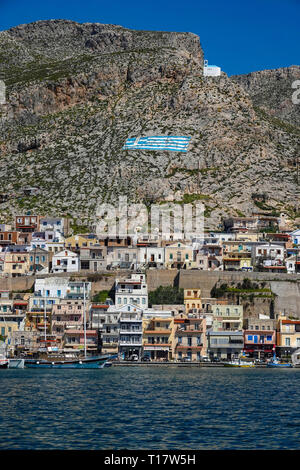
16 363
274 362
108 364
96 362
3 362
239 363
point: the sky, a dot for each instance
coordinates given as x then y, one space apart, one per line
240 36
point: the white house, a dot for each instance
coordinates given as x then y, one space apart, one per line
131 331
154 256
65 261
271 254
51 290
54 223
296 236
132 291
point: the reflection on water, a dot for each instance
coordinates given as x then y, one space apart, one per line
150 408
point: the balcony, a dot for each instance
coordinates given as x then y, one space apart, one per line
187 332
125 332
157 346
124 319
67 323
157 332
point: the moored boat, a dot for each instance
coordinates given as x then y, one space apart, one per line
274 362
97 362
239 363
3 362
16 363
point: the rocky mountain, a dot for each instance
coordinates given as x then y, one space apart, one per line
76 92
272 90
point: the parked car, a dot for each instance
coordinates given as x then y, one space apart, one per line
216 359
205 359
146 359
186 359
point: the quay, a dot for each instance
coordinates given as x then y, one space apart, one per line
173 364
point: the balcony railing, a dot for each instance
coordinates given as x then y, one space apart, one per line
130 343
131 331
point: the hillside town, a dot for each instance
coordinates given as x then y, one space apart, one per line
62 313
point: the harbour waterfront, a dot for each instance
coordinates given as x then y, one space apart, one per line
150 408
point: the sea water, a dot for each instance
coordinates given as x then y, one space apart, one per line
146 407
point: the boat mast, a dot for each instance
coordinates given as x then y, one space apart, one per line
45 318
84 318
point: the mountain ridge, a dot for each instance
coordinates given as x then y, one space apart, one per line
67 118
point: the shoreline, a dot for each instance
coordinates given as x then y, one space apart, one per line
174 364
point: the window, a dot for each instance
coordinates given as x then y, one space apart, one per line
287 341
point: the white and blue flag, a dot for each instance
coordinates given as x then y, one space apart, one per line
175 143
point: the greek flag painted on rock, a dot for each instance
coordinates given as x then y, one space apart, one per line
175 143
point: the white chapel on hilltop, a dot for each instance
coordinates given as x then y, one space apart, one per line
211 70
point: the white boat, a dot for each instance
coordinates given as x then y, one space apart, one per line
239 363
16 363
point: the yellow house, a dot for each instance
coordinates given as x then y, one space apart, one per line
16 263
227 317
158 337
236 256
9 323
246 237
288 336
192 300
75 242
178 256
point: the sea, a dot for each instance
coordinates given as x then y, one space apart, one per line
146 407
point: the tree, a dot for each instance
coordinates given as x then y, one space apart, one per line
166 295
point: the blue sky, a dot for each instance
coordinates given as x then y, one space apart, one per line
241 36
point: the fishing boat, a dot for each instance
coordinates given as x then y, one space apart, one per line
96 362
239 363
274 362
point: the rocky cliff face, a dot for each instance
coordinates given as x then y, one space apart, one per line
272 91
76 92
